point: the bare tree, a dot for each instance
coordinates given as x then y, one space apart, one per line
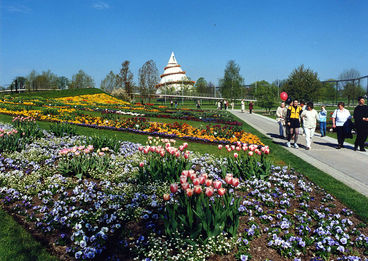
351 88
125 79
148 79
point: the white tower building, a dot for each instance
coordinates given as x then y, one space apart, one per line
174 78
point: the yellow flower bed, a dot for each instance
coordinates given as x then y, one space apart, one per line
91 99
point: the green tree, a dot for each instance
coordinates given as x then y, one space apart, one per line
82 80
110 82
201 86
265 94
327 91
62 82
231 84
148 78
302 84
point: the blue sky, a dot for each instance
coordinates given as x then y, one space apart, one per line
268 39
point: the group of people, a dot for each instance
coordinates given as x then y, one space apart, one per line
292 116
250 106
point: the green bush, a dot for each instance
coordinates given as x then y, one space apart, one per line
100 142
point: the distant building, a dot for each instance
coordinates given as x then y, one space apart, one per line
174 78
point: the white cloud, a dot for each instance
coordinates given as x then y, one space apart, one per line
100 5
18 9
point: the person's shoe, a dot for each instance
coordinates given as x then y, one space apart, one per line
355 148
296 146
288 144
338 147
362 149
307 148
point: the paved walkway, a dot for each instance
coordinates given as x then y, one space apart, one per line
346 165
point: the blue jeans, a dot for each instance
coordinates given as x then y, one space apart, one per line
281 128
322 128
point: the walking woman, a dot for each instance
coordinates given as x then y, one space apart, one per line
293 121
322 121
250 107
310 118
339 117
280 118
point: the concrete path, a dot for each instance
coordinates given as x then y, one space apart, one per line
346 165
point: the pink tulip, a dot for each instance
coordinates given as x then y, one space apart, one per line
185 145
228 179
186 156
208 182
101 153
217 184
245 148
141 164
235 182
162 153
221 191
140 148
189 192
181 148
250 153
229 149
235 155
204 175
185 173
77 153
145 151
166 197
232 147
238 148
173 187
209 191
196 181
177 154
185 185
192 176
219 147
227 146
86 151
252 148
191 171
197 189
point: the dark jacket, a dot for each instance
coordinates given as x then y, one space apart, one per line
360 112
348 127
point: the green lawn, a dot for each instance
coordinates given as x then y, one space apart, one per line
54 93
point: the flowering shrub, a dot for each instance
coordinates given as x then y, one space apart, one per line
10 140
201 207
163 161
80 161
27 127
247 161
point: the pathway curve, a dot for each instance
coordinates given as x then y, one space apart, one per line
346 165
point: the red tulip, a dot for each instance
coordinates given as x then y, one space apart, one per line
235 182
202 179
162 153
186 156
232 147
267 151
140 148
197 189
185 145
196 181
236 155
221 191
166 197
204 175
189 192
185 173
217 184
183 179
173 187
192 176
219 147
245 148
177 154
145 151
209 191
141 164
208 182
181 148
250 153
238 148
185 185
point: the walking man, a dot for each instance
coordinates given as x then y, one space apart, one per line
280 118
361 124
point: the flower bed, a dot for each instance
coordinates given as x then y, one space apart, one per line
111 212
210 134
